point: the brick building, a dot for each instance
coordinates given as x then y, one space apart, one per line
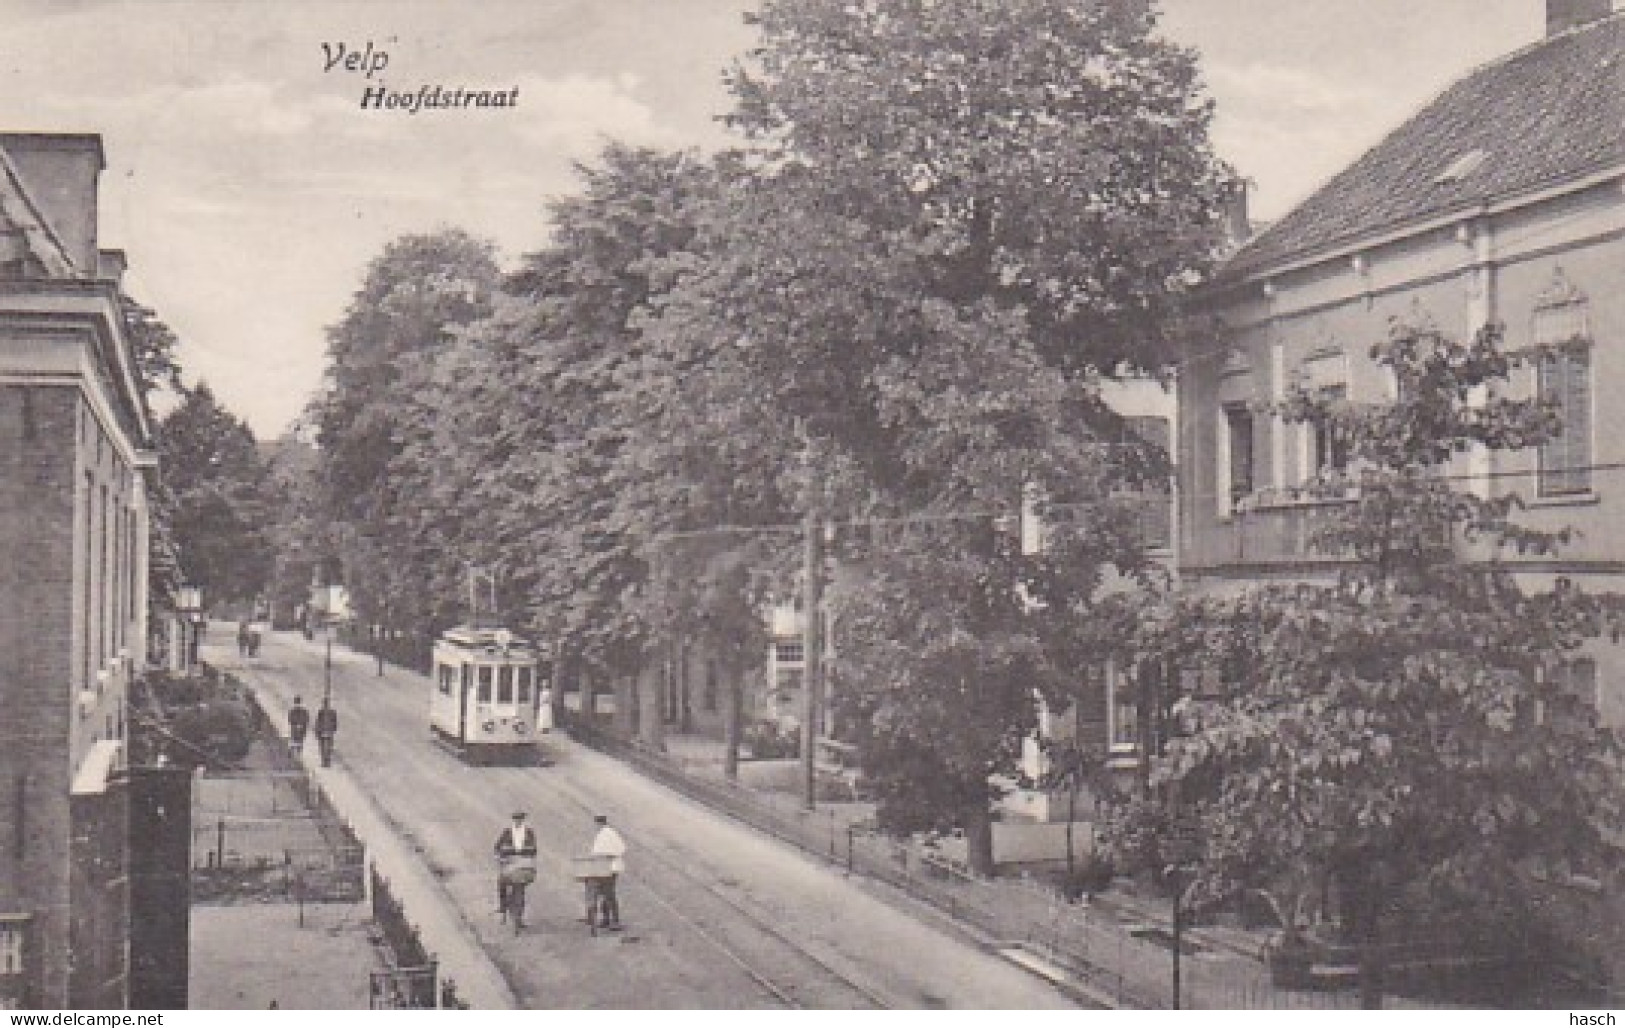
75 453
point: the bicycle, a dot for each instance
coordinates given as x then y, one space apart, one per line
595 873
517 874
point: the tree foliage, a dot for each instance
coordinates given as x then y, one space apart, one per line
379 403
958 219
214 483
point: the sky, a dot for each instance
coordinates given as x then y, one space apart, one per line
250 189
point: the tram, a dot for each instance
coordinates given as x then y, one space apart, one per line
488 702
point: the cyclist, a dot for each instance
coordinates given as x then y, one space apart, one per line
516 849
608 843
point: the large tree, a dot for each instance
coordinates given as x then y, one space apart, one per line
215 484
379 401
951 223
1406 731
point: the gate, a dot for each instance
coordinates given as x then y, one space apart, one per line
402 988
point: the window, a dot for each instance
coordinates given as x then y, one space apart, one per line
1123 711
446 675
787 652
1562 329
485 685
505 684
1236 467
1329 447
12 933
1565 459
525 675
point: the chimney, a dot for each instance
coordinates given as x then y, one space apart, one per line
60 171
1562 15
111 265
1237 223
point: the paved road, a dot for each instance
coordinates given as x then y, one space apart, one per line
718 916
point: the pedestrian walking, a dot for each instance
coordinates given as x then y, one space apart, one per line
608 843
298 725
327 726
242 638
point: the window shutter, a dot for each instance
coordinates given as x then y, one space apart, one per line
1565 381
1577 418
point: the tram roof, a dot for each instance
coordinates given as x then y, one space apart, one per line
488 636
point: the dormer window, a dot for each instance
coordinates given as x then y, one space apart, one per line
1461 167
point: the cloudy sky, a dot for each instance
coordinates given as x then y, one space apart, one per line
250 189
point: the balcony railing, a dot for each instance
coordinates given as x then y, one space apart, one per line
1265 531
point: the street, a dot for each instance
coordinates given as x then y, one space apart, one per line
717 916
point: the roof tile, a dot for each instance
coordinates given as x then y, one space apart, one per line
1551 112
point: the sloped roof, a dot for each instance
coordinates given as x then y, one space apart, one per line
1550 113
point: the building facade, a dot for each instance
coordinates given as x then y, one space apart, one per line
1501 201
75 453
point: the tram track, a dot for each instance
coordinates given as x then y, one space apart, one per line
717 920
786 971
791 994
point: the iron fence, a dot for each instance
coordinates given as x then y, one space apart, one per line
1115 962
409 981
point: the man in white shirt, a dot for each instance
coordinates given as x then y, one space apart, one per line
608 843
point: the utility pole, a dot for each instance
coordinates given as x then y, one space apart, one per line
811 663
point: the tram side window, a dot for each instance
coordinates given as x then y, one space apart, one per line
485 685
505 684
447 676
524 685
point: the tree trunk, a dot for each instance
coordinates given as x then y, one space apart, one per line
1071 819
651 682
1363 902
733 715
978 825
627 709
589 700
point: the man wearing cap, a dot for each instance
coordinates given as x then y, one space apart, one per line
517 840
608 843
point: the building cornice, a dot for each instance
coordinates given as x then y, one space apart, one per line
1358 246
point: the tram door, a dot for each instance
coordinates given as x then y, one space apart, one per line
462 703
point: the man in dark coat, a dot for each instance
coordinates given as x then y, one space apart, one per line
517 840
327 726
298 724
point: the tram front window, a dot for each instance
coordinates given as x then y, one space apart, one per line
485 685
505 684
524 686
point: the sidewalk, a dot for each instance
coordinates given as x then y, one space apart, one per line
441 926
